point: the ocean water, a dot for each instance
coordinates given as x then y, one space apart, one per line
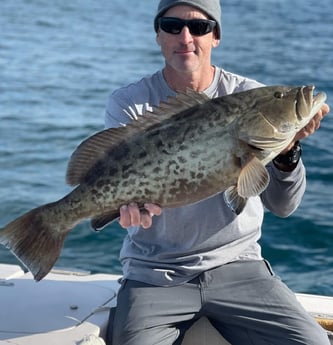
59 60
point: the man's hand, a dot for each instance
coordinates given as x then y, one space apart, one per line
131 215
311 127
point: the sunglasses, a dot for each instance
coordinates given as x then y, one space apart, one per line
197 27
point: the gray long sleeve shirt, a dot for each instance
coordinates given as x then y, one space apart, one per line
185 241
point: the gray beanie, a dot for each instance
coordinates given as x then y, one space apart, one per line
211 7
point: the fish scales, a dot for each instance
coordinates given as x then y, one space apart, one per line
170 165
188 149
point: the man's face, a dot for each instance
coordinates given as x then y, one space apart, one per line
185 52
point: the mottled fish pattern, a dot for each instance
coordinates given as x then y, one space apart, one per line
186 150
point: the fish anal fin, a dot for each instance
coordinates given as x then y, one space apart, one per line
253 178
101 222
233 200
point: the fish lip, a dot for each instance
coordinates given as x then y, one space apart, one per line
303 101
319 99
308 104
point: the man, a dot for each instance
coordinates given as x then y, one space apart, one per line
203 259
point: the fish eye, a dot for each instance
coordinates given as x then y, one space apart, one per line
278 94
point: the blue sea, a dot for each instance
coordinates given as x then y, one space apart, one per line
59 60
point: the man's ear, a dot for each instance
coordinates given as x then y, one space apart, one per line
215 43
158 38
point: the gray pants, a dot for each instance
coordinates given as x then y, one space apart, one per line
244 301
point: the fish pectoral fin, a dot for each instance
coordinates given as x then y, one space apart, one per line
233 200
253 179
100 222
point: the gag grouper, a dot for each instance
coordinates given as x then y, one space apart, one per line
186 150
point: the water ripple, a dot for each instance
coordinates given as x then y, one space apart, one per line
59 61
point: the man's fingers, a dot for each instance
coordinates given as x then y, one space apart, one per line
129 215
146 219
135 214
132 215
314 123
125 218
153 209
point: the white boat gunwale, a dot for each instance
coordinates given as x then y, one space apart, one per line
71 307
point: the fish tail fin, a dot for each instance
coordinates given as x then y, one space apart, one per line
35 240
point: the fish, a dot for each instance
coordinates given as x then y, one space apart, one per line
187 149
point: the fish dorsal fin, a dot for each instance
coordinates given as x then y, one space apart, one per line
90 151
96 148
182 101
253 179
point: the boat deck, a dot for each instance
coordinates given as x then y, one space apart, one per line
70 307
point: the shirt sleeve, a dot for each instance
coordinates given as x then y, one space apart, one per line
285 190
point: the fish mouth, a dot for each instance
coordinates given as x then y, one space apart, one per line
318 101
308 104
